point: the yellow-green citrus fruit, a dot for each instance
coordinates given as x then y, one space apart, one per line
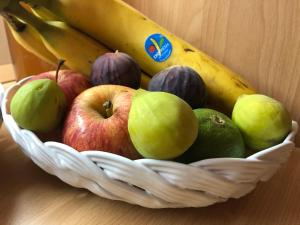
217 137
263 121
161 125
38 105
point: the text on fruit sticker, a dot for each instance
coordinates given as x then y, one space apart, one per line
158 47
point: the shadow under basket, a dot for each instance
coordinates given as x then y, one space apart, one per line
147 182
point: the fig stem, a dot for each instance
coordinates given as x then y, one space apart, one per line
117 51
59 65
107 105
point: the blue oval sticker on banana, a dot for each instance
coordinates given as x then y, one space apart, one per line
158 47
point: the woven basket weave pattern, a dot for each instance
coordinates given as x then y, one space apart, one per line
146 182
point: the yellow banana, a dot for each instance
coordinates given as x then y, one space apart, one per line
79 50
29 39
40 12
145 81
44 14
61 40
110 22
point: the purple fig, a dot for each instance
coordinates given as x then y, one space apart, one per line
181 81
116 68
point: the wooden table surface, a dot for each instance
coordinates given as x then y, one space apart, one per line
28 195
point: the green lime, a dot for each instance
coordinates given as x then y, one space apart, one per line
218 137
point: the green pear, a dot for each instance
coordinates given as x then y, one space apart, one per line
38 106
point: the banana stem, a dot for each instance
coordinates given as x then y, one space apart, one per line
17 10
44 3
3 4
14 22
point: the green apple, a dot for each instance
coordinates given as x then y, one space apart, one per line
38 105
161 125
263 121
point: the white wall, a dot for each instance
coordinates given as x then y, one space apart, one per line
4 51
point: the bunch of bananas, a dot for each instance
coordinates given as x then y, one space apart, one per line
41 32
75 30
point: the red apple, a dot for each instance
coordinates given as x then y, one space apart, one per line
98 120
72 83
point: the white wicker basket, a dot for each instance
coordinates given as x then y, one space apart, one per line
146 182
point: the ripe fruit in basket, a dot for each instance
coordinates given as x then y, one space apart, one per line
38 105
71 83
161 125
263 121
116 68
182 81
223 85
98 121
218 137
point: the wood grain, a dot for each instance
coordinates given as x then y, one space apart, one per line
4 52
258 39
7 73
31 196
